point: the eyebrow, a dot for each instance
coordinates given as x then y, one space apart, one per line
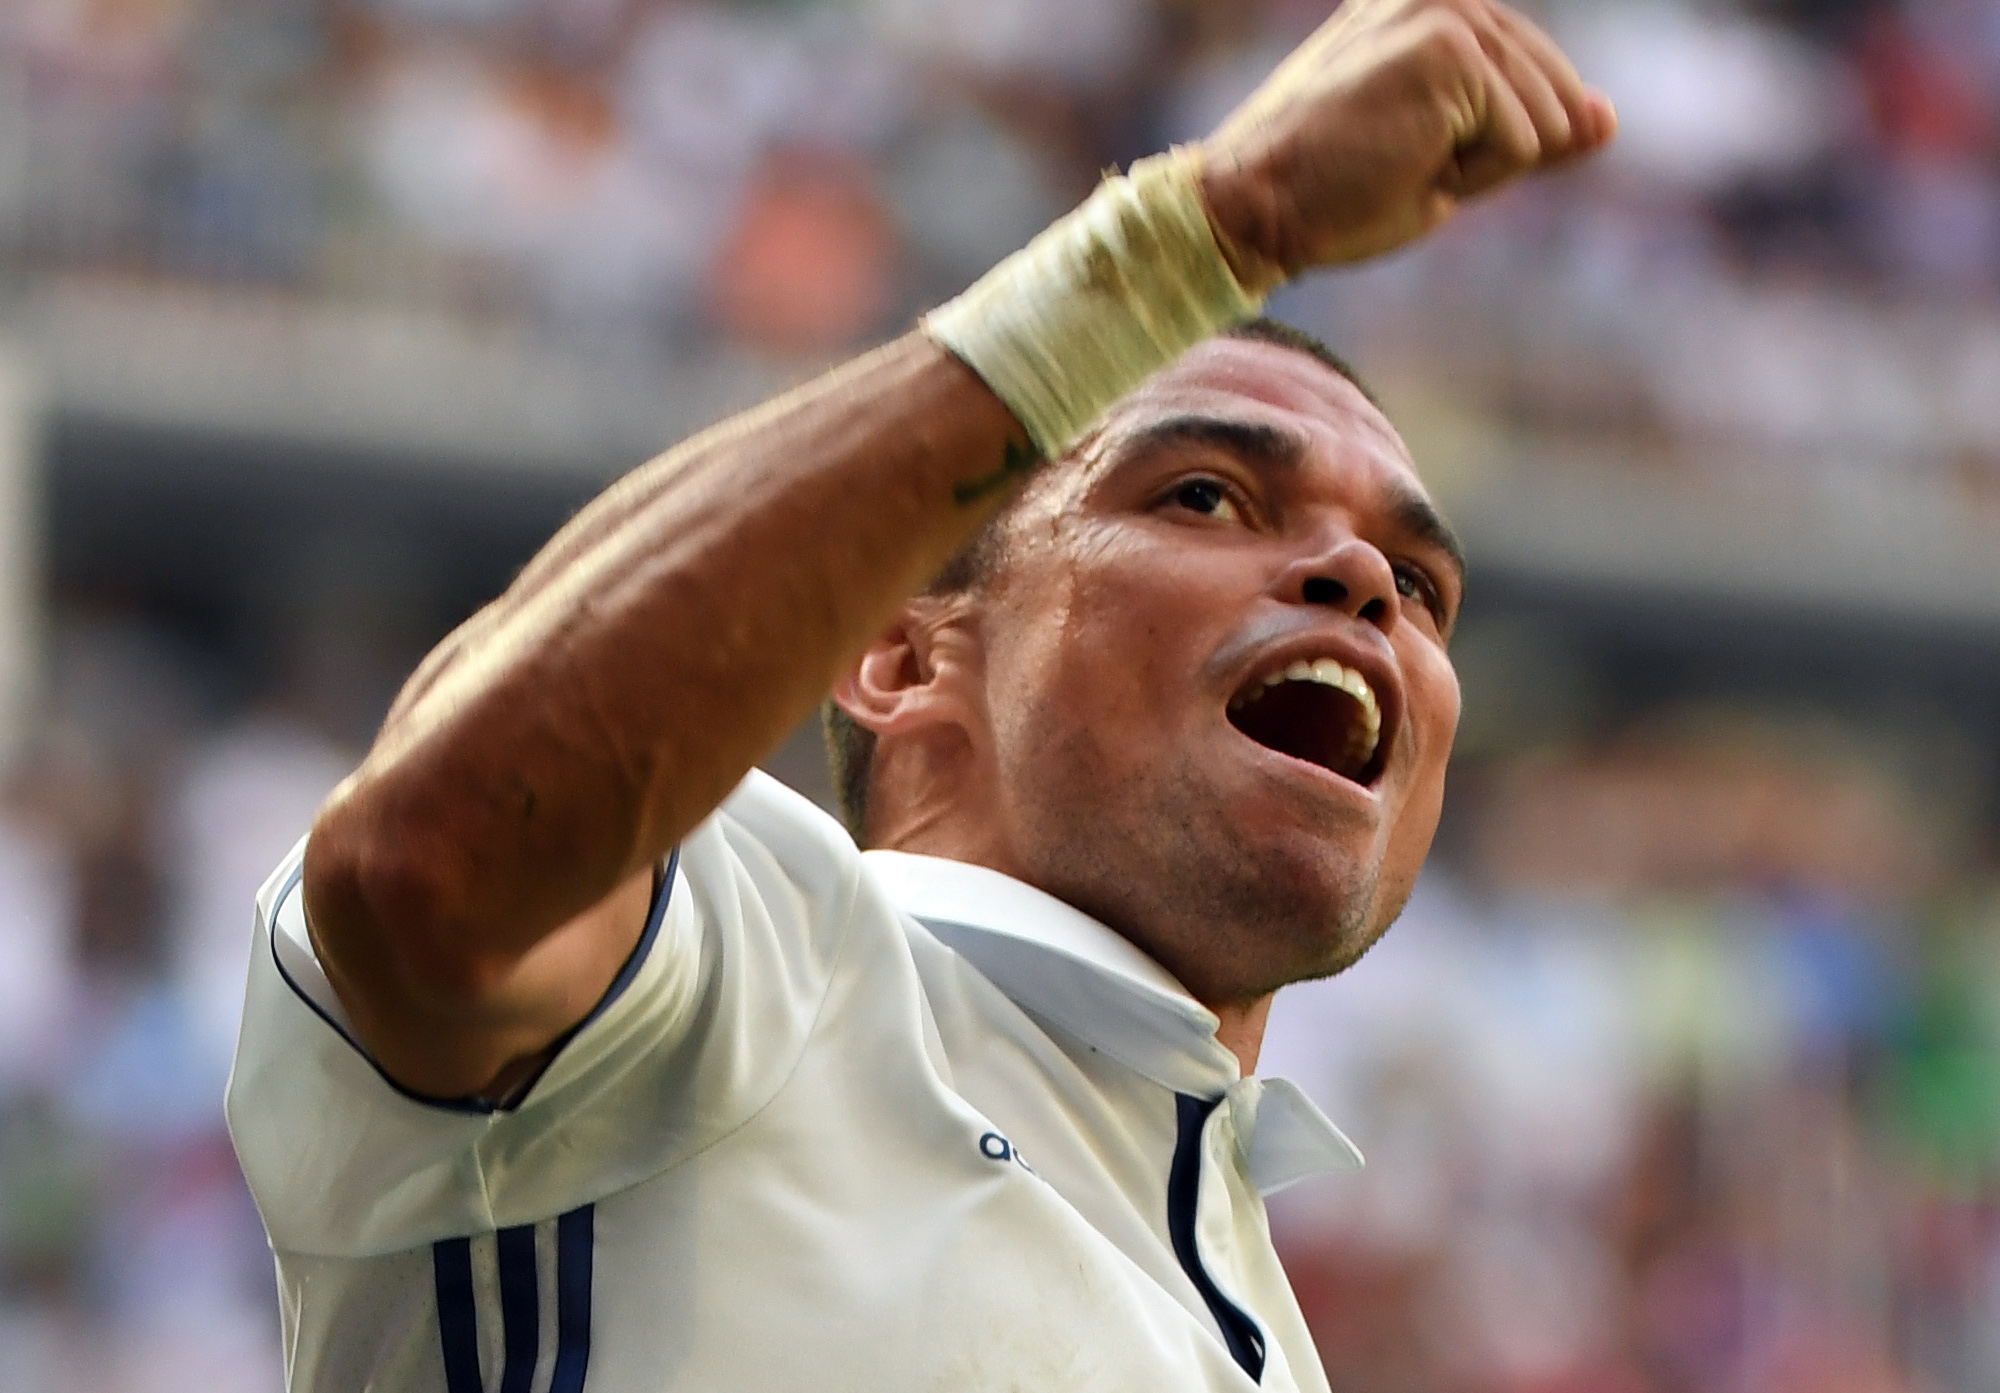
1259 443
1255 442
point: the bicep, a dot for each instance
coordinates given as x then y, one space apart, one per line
468 1024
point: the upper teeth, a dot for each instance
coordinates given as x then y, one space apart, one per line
1331 674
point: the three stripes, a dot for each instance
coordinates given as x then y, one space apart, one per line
458 1315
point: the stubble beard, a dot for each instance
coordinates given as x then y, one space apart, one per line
1160 861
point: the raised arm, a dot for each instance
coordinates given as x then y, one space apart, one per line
474 887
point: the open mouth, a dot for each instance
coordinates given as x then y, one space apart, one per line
1319 712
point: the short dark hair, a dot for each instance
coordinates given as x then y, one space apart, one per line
850 746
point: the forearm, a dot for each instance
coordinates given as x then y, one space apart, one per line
663 642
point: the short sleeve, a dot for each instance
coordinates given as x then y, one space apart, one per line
700 1028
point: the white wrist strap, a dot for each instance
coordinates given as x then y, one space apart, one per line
1099 302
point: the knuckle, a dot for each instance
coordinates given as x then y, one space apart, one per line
1475 15
1447 38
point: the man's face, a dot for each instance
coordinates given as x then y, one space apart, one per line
1244 513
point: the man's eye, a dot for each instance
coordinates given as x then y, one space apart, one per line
1205 496
1413 584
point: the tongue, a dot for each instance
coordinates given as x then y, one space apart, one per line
1308 721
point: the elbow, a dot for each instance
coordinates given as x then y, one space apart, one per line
386 911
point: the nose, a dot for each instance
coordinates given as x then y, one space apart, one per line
1347 574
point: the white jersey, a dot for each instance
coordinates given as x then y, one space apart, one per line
845 1122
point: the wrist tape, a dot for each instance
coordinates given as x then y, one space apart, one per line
1100 301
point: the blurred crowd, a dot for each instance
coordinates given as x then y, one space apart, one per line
1787 268
1790 263
1680 1075
144 811
1683 1073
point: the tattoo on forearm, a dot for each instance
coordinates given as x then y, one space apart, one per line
1020 460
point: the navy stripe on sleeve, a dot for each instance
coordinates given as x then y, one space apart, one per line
576 1234
1239 1331
458 1318
520 1320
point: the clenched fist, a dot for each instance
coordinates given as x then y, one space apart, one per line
1378 126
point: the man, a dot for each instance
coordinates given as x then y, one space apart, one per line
551 1070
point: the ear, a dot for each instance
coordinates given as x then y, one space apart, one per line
918 672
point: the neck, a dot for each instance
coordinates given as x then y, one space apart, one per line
934 825
1241 1030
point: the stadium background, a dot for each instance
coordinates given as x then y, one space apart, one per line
1683 1073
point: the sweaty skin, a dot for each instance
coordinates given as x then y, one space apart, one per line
473 888
1067 721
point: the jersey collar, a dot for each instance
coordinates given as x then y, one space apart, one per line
1059 964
